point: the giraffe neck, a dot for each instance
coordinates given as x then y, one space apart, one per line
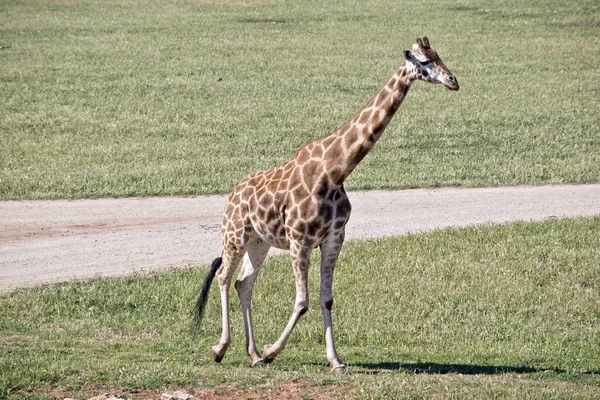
357 136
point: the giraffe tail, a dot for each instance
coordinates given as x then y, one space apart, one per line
198 312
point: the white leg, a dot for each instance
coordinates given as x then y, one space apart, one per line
224 274
253 260
300 261
329 255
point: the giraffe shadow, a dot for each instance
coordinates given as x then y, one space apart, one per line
440 369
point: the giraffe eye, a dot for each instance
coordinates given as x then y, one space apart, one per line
424 63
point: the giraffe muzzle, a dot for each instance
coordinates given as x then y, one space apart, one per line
451 83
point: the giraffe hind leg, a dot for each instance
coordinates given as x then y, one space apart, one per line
253 261
231 260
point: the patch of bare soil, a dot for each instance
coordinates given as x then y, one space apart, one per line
266 21
298 389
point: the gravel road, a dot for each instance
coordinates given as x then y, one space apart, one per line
52 241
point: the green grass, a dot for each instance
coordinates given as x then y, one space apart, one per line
488 312
141 98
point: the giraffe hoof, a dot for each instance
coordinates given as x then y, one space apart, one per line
217 357
340 370
267 350
266 358
259 363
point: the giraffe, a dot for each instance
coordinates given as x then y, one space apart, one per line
302 205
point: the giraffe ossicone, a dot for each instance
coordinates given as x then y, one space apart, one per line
302 205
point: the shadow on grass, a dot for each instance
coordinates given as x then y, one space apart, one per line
434 368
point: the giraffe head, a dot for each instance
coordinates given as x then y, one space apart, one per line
424 64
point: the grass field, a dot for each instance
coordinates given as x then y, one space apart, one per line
506 311
142 98
137 98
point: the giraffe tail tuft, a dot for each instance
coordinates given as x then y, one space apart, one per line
198 311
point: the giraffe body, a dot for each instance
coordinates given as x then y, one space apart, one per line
302 205
292 203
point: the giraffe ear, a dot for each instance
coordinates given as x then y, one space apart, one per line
408 56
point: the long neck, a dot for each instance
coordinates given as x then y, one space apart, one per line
357 136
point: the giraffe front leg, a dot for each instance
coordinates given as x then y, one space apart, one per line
224 274
300 261
329 255
253 261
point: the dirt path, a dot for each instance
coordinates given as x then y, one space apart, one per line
50 241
